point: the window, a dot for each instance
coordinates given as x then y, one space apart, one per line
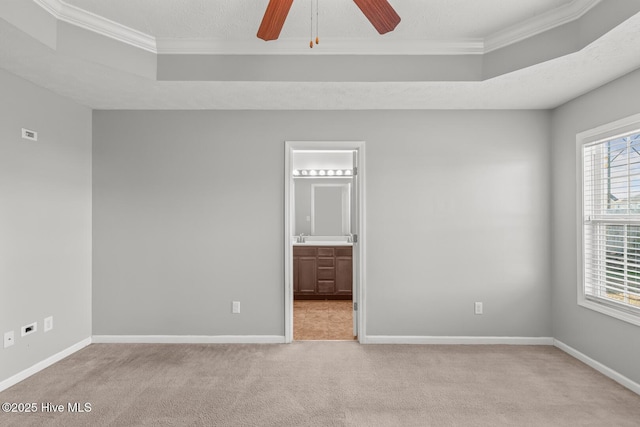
610 219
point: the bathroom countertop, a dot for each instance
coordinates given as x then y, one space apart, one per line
323 243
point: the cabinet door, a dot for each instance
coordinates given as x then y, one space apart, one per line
344 275
307 277
326 287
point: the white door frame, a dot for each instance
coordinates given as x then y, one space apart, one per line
360 278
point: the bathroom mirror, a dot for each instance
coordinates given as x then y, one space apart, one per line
323 206
330 209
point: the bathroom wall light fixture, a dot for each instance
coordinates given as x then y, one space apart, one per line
324 173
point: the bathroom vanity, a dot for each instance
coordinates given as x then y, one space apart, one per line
322 271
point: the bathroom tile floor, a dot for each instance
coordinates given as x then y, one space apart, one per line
322 320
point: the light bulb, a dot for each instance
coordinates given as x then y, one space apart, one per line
296 172
312 172
331 172
322 173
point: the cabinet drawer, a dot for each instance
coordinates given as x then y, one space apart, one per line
326 262
304 251
326 286
346 251
326 273
326 252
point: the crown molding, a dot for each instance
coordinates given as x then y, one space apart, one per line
529 28
98 24
327 46
539 24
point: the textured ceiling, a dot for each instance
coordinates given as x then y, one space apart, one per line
542 86
68 60
240 19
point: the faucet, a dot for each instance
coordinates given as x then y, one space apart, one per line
301 238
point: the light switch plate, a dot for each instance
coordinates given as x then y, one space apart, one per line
236 307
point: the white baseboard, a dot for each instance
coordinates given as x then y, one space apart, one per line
606 371
20 376
393 339
188 339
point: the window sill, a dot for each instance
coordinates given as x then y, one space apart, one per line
610 311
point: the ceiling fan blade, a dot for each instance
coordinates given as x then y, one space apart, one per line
273 19
380 14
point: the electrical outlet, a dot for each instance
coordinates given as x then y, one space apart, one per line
236 307
29 329
478 308
48 323
9 339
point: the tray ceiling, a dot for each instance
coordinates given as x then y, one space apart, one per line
445 54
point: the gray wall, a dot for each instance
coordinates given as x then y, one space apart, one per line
45 222
188 216
605 339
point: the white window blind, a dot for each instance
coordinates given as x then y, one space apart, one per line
611 231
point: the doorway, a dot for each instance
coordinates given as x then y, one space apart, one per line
322 245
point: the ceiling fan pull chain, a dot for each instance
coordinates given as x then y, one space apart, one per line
317 21
311 25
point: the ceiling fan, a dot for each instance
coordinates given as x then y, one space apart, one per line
378 12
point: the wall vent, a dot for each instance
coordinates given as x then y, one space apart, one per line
29 329
29 134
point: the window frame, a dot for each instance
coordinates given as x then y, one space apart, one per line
602 133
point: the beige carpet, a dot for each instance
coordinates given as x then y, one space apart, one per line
324 384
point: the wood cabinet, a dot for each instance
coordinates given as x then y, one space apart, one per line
322 272
344 274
